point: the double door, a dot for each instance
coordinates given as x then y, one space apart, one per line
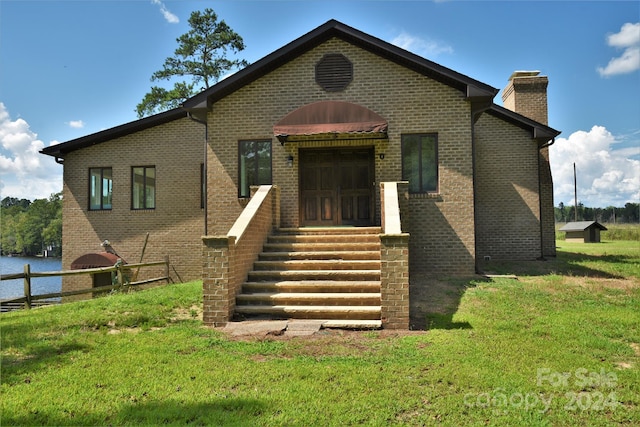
336 186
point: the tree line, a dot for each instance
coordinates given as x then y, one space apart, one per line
31 228
629 214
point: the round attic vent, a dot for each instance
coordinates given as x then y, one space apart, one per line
334 72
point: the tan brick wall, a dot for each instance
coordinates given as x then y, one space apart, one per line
174 227
411 103
507 202
394 278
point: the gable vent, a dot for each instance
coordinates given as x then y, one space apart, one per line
334 72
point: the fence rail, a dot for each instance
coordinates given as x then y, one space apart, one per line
29 300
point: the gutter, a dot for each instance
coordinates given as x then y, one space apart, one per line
204 168
541 147
548 144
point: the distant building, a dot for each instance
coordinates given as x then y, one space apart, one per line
583 231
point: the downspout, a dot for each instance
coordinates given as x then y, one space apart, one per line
478 106
204 169
547 144
59 160
474 117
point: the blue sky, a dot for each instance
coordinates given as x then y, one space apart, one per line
72 68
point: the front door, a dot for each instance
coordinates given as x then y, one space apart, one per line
336 186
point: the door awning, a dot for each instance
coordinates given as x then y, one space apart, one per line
95 260
330 117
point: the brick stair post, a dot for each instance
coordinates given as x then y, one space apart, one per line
219 299
394 277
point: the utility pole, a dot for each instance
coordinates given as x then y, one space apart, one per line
575 192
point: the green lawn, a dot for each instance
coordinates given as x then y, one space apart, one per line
558 346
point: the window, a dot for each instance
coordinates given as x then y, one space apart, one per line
100 188
254 165
420 162
143 191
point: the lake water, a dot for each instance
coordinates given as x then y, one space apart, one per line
39 285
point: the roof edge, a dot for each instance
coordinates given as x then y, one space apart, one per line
326 31
59 150
538 130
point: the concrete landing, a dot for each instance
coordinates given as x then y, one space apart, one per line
293 327
273 327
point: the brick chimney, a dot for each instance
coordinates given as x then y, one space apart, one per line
526 94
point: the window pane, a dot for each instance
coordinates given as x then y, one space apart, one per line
94 188
420 162
143 188
429 166
246 162
411 162
150 188
107 188
100 188
254 165
264 163
138 188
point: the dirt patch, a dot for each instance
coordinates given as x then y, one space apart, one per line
334 342
192 313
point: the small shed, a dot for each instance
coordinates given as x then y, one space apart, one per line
583 231
97 260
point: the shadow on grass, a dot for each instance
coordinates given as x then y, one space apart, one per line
23 353
218 412
565 264
434 301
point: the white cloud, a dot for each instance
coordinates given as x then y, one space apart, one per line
420 46
76 124
606 176
629 61
168 16
24 172
629 35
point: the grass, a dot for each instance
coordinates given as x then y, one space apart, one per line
558 346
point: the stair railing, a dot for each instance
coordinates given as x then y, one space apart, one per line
228 259
394 256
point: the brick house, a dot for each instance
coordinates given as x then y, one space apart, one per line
336 139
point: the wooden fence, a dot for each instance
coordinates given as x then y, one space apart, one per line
121 282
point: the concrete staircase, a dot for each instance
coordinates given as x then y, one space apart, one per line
330 274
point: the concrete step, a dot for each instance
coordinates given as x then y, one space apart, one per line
312 311
352 324
331 274
330 230
323 238
339 275
299 286
309 298
321 255
283 246
315 264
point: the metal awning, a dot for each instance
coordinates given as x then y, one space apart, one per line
95 260
325 117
